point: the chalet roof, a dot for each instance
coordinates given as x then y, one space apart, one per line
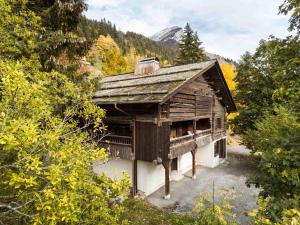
151 88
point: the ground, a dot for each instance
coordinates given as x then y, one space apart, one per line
140 212
230 176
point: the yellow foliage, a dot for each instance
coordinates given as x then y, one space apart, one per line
132 57
229 74
106 56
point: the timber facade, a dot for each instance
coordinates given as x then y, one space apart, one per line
156 116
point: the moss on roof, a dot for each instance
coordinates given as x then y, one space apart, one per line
130 88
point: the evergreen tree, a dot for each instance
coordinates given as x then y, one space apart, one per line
190 50
143 46
59 20
199 54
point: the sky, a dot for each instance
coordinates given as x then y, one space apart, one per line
228 28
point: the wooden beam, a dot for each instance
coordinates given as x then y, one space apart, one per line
167 165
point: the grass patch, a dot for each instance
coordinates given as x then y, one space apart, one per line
140 212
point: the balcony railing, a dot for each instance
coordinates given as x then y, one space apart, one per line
180 140
200 133
117 139
186 138
184 144
118 146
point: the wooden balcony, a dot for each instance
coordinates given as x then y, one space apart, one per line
184 144
203 137
180 140
201 133
118 146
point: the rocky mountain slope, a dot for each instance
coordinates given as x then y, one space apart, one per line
170 34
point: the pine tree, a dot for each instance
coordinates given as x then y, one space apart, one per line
190 50
198 50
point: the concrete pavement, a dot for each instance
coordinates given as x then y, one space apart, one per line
228 177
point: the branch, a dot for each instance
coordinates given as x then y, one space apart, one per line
15 209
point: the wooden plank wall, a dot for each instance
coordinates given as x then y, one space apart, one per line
152 141
219 113
146 141
193 100
163 142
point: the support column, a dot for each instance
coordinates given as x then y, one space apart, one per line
167 165
134 161
134 177
194 164
194 151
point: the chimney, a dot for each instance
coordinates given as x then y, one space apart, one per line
147 66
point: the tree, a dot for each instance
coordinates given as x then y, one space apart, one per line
276 138
229 72
268 95
229 75
190 50
18 30
47 144
268 77
127 42
46 160
59 20
292 6
106 55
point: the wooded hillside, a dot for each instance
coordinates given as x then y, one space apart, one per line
92 29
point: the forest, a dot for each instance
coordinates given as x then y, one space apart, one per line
51 60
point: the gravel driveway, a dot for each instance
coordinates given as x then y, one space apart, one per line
230 176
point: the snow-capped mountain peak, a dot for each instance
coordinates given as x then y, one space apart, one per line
170 34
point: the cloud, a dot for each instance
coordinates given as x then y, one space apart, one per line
227 28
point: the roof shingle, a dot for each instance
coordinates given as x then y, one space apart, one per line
155 87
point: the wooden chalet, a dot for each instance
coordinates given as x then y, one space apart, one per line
156 115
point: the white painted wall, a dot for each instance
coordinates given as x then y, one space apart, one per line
205 155
150 176
113 168
185 163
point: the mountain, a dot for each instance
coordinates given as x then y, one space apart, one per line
143 46
172 36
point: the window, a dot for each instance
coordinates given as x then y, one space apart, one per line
203 124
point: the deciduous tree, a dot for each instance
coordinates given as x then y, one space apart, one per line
47 145
293 7
106 55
